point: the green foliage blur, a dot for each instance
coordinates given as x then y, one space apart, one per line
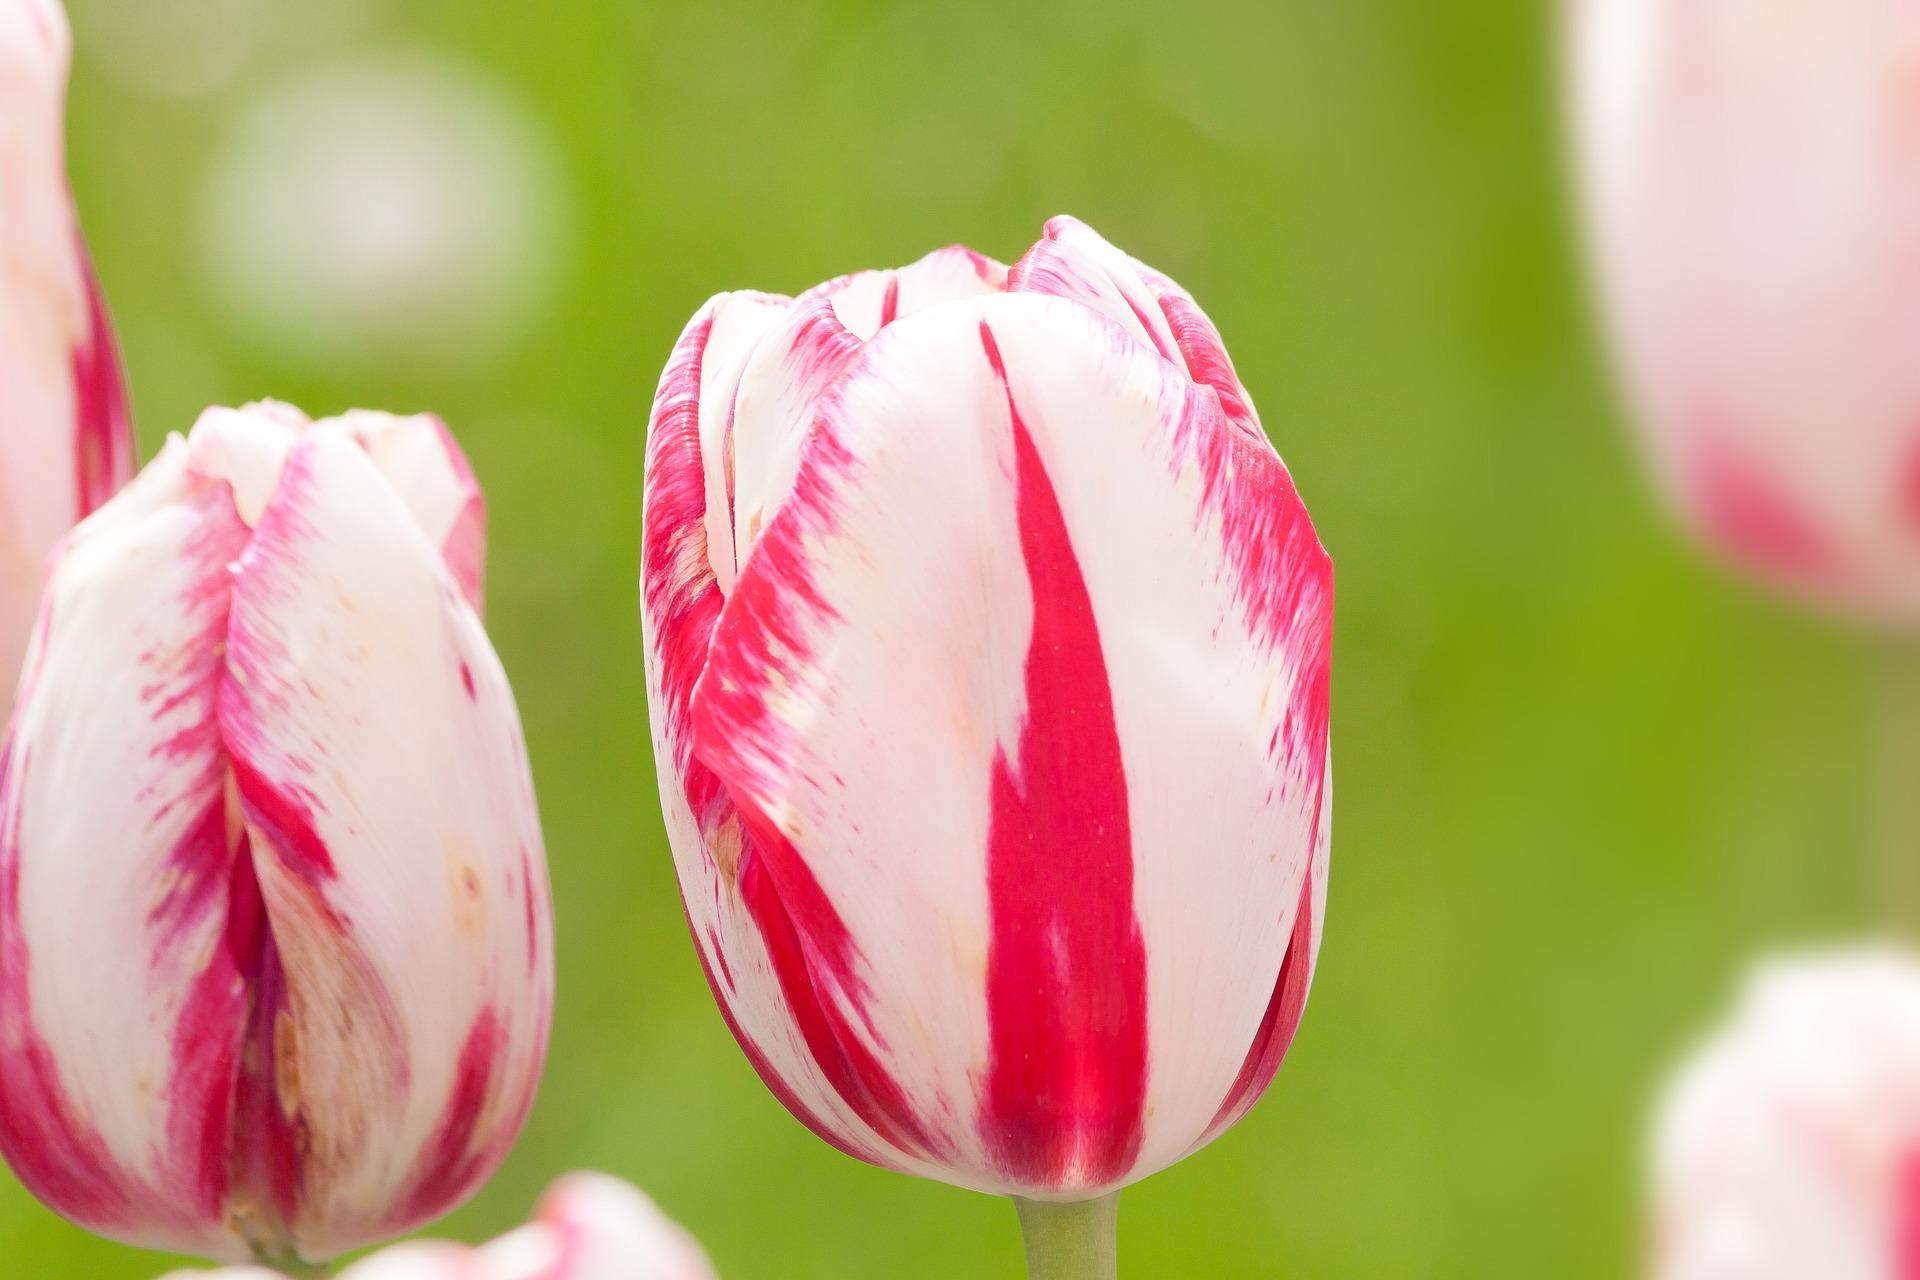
1581 775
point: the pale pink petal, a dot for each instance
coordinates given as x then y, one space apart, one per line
427 468
123 973
1035 622
65 438
379 766
593 1227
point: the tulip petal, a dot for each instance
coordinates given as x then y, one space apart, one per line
780 388
1007 507
117 1061
426 466
64 427
1073 261
378 763
680 599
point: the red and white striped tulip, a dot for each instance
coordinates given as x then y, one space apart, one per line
1789 1145
275 954
987 652
1754 209
588 1227
65 439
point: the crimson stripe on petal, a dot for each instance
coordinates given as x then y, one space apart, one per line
1281 1023
103 430
1066 965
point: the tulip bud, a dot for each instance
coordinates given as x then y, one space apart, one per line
275 955
987 654
1789 1144
588 1227
65 439
1754 209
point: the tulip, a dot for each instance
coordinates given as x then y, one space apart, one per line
987 650
1789 1144
588 1227
275 954
1754 212
65 439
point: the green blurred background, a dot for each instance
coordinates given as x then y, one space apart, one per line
1581 776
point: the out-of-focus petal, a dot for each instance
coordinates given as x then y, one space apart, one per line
593 1227
1034 622
65 438
378 764
122 970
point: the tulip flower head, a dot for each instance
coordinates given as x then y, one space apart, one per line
987 651
275 954
1789 1144
65 439
588 1227
1754 210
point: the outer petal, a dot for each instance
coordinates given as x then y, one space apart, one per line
380 770
426 466
680 599
65 439
1072 261
1036 624
117 1061
790 369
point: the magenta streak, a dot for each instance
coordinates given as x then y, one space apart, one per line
814 957
1281 1021
763 1067
459 1154
212 1021
1282 577
890 303
1066 965
264 1161
103 430
281 815
1205 354
1752 516
1906 1225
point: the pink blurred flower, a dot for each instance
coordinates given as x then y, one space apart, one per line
275 954
1789 1145
1754 208
987 651
588 1227
65 439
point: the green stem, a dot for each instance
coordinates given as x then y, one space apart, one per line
1069 1241
1900 784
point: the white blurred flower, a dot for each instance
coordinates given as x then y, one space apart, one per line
1788 1145
398 209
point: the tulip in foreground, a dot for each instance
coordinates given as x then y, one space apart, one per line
987 652
1789 1146
275 952
588 1227
65 439
1754 206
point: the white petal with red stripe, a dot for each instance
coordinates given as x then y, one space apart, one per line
65 439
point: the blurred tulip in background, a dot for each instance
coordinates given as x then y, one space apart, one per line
588 1227
65 439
